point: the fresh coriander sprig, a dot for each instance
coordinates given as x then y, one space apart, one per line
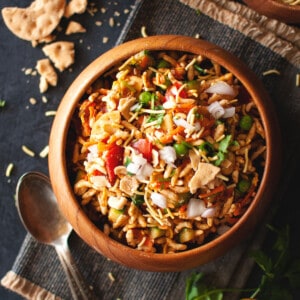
280 274
197 289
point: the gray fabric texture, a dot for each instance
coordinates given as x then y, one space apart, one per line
39 264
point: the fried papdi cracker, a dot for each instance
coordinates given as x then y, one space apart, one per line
61 54
36 21
48 74
74 27
75 7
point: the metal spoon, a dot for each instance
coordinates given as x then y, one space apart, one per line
40 214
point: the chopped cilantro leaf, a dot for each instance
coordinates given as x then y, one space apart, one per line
2 103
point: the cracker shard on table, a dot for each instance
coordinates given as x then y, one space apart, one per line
48 74
75 7
74 27
61 53
35 21
205 173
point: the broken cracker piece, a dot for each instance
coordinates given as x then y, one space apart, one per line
46 40
75 7
46 70
43 85
74 27
61 54
35 21
48 74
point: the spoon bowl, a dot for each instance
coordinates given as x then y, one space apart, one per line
42 219
40 214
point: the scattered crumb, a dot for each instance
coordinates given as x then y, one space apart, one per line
111 277
117 14
74 27
44 99
298 79
105 40
32 100
29 71
92 9
98 23
111 22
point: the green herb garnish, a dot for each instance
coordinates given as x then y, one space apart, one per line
2 103
280 275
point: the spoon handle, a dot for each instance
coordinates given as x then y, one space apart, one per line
79 289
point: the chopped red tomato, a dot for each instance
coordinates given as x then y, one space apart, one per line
144 147
172 92
146 61
114 158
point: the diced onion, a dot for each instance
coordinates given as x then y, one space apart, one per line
216 109
144 172
138 161
209 212
229 112
93 152
99 181
159 200
222 88
139 167
117 202
134 107
168 154
183 123
133 168
169 104
195 208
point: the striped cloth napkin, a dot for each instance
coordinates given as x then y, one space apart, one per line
263 44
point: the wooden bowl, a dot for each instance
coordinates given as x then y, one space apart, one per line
277 10
92 235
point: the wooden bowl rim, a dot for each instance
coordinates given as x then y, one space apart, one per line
277 10
57 153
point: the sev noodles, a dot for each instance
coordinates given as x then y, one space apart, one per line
169 151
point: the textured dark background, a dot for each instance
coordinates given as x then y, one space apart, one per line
24 123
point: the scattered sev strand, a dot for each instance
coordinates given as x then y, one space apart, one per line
111 277
50 113
9 169
28 151
271 71
298 79
44 151
143 31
